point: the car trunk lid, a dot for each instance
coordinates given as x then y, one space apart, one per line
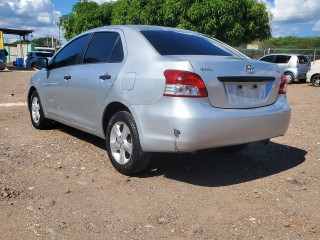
237 82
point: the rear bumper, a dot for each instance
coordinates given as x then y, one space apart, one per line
185 125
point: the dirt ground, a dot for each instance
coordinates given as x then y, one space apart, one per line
59 183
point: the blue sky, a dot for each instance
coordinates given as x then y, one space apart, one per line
289 17
64 7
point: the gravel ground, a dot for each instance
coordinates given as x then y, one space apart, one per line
59 183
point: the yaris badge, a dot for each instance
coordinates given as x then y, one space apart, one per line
250 69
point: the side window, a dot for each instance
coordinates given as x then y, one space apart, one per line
117 53
303 59
68 55
103 47
282 59
267 58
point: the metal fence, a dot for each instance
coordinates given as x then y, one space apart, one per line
313 54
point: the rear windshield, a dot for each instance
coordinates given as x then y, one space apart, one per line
178 43
303 59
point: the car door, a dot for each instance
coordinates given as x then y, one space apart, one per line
304 65
55 87
283 62
93 79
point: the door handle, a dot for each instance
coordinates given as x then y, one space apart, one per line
67 77
105 76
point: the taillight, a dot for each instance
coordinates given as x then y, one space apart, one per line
283 85
181 83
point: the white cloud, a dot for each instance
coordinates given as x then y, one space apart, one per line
290 17
37 15
101 1
292 10
316 27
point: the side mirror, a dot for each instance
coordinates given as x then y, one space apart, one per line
42 63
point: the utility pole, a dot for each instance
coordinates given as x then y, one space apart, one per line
57 22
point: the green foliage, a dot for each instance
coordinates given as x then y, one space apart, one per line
291 42
45 42
86 15
40 42
235 22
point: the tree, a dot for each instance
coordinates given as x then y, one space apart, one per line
41 42
235 22
86 15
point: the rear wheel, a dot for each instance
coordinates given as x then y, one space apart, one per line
316 80
123 144
36 112
289 77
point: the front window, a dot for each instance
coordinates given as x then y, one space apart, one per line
69 54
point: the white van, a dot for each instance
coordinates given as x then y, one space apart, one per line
45 49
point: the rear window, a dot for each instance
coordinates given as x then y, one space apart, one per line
282 59
177 43
267 58
303 59
44 54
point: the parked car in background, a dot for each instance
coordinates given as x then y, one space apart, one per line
151 89
293 66
2 65
313 75
32 57
45 49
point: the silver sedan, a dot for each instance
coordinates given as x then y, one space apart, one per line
151 89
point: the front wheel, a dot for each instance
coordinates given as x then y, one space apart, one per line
123 144
36 112
316 80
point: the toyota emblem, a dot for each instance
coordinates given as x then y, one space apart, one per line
250 69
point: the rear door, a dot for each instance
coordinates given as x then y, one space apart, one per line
94 77
283 62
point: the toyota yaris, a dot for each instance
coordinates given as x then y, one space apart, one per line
151 89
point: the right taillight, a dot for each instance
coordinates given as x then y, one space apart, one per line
283 85
180 83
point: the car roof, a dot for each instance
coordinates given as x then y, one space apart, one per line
141 28
287 54
39 52
137 28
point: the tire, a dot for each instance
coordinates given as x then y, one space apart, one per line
234 149
123 144
36 112
289 77
316 80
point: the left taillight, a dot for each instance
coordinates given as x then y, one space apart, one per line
283 85
180 83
